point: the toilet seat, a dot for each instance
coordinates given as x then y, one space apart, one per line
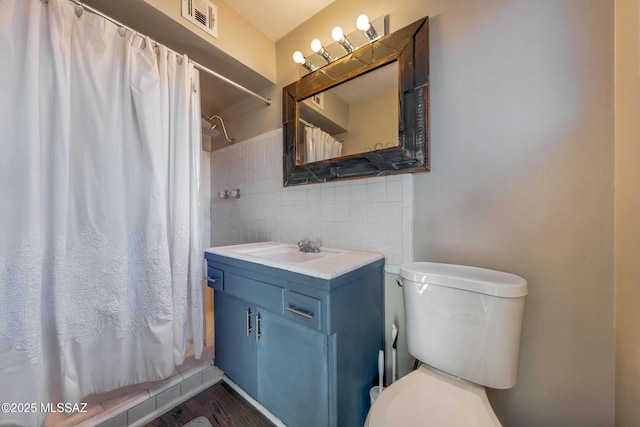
427 397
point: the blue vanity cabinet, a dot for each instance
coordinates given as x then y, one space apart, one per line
306 348
235 343
292 371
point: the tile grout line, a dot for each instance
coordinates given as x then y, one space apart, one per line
180 399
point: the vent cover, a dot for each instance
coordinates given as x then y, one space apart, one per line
203 14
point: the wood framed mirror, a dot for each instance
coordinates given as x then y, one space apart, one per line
405 53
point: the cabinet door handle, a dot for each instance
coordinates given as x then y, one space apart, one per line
300 311
210 280
258 333
248 318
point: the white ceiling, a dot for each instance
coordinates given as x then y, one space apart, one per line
275 18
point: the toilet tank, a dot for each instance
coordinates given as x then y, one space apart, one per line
465 321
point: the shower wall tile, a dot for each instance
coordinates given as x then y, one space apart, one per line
117 421
162 386
189 385
211 375
168 396
373 214
142 410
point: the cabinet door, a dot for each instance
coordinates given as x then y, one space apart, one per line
235 341
292 371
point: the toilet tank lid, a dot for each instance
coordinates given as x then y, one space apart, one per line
473 279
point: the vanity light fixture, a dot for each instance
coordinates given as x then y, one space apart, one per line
338 35
316 46
300 59
363 24
366 32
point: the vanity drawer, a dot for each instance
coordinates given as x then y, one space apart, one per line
259 293
303 309
215 279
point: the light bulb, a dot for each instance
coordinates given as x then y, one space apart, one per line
298 57
316 45
337 34
362 23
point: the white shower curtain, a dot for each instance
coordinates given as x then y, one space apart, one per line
100 253
320 145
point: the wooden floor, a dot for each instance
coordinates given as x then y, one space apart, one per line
220 404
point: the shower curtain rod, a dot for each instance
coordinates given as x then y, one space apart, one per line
306 123
195 64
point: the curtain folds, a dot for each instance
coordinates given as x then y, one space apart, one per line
100 244
319 145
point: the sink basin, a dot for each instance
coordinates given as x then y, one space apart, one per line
289 254
327 264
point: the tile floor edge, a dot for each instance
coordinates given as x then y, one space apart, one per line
180 399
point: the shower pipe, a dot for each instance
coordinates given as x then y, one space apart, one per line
212 131
195 64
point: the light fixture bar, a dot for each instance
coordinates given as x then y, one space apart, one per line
366 32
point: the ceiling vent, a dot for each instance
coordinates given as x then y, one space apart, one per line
202 13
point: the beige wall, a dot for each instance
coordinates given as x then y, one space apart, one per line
237 41
627 208
521 180
236 36
364 133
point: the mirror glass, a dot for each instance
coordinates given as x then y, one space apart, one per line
354 117
365 114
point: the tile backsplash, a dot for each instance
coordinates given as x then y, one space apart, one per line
372 214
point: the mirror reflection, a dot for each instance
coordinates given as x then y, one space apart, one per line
408 50
357 116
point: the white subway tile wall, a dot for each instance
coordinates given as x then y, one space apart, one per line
373 214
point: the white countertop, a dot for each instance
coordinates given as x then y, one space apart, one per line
328 264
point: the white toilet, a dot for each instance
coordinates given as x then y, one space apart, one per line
463 324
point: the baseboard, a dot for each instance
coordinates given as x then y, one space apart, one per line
254 403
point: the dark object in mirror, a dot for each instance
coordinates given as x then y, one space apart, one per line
408 46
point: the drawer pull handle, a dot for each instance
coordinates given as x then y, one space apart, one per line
212 281
300 312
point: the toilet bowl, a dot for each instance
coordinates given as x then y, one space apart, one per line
463 323
427 397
